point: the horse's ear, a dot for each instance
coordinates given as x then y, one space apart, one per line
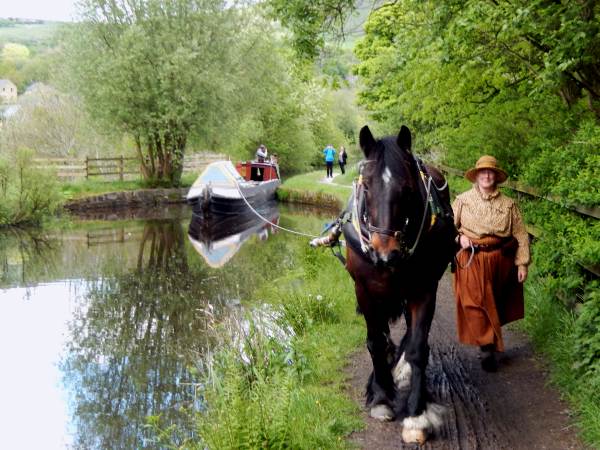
404 139
366 140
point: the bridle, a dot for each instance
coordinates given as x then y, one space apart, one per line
361 212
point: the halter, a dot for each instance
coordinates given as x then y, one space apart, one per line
360 212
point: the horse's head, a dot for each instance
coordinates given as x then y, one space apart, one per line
393 205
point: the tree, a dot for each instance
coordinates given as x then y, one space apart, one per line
311 21
52 123
158 70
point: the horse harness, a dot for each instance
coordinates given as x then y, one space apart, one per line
356 223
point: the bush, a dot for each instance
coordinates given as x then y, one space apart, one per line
587 339
27 194
301 311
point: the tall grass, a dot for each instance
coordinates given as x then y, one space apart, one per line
561 335
27 195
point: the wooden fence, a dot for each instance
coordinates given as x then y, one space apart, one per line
116 167
520 188
528 190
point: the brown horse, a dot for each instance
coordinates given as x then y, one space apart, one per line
400 239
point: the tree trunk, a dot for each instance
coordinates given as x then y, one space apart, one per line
162 164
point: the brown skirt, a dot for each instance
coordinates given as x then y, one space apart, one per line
488 293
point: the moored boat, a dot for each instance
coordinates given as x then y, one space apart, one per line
223 189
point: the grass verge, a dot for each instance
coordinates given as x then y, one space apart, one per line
308 188
85 188
555 332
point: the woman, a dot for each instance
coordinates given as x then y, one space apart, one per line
329 153
491 263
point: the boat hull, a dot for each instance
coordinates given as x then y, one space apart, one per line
233 202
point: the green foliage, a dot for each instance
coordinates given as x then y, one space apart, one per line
55 124
301 311
572 170
23 66
311 22
562 306
587 338
27 194
248 403
475 77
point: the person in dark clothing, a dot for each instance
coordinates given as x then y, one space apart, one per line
342 158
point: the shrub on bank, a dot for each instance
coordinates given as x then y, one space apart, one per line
27 194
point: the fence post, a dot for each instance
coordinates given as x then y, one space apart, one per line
121 168
87 167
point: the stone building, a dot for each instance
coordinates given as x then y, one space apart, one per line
8 91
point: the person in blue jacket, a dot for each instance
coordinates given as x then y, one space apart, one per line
329 153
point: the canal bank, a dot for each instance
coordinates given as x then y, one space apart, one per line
127 199
306 189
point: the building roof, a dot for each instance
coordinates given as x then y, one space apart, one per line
4 82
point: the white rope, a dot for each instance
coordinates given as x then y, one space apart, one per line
237 185
470 256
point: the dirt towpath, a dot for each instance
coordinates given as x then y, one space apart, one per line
510 409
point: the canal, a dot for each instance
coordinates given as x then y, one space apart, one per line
104 323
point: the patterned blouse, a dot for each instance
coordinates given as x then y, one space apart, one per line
477 214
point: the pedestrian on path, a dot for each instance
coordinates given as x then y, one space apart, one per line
329 153
491 264
342 158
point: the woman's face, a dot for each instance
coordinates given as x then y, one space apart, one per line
486 179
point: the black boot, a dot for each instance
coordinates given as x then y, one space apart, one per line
488 361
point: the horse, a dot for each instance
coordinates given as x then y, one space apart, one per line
400 239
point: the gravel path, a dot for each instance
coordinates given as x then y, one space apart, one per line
510 409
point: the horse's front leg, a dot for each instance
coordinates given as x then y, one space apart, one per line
422 417
381 391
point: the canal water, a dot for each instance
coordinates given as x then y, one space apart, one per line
104 323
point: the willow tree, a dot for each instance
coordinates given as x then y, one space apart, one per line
157 70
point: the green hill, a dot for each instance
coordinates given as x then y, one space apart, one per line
33 34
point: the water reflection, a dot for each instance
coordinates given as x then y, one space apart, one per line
118 317
134 341
219 238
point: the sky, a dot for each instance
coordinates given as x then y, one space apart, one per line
57 10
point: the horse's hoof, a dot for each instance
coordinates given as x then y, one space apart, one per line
382 412
412 436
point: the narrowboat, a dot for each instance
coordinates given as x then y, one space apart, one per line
225 189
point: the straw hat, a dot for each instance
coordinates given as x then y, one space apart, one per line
486 162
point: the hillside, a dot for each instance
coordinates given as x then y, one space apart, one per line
33 34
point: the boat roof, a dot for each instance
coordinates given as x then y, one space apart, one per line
220 173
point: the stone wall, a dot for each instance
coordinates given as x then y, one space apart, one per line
127 199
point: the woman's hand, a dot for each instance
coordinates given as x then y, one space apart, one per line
522 273
464 241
